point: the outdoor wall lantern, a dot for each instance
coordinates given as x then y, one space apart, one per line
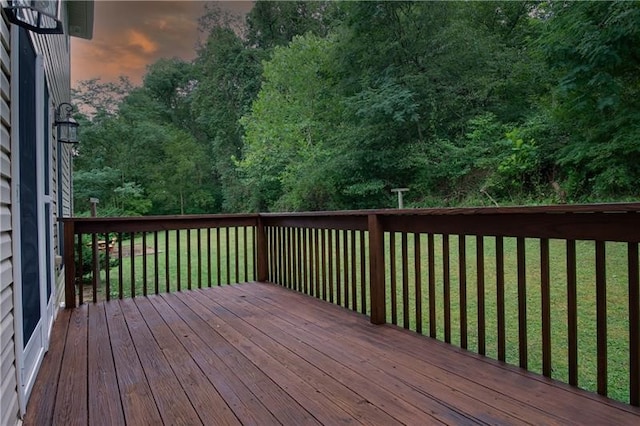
66 124
39 16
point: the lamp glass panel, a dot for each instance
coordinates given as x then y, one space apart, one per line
73 133
63 132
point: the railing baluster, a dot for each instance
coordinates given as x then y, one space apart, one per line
132 255
188 259
156 274
287 258
144 263
107 267
95 267
218 258
345 268
432 285
337 258
462 274
405 280
354 287
284 250
392 282
276 255
418 280
245 252
254 251
601 316
546 306
330 267
209 268
292 258
306 266
634 324
272 265
80 271
199 249
178 268
316 240
283 256
312 268
447 287
363 275
500 298
279 254
522 302
323 237
482 340
572 313
301 266
236 256
227 245
120 272
167 275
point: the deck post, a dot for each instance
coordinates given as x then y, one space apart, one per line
376 272
261 255
69 265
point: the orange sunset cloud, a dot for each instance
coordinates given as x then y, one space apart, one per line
130 35
138 39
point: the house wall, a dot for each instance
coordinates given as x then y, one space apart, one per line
55 52
9 409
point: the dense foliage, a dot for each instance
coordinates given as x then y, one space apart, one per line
329 105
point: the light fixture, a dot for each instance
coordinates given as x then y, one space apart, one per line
67 125
39 16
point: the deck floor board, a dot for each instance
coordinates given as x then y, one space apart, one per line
261 354
103 378
265 402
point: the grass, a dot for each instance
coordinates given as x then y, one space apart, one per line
181 267
617 306
223 271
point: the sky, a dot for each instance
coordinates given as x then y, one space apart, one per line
129 35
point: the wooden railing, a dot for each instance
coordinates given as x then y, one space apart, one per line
554 290
136 256
551 289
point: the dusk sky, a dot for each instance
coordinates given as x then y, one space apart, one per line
129 35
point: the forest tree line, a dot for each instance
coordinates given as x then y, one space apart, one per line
329 105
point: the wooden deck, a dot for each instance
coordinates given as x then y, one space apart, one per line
260 354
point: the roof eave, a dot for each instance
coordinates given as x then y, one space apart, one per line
80 18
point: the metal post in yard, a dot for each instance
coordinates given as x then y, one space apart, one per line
400 191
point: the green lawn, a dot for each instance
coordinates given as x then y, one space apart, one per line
617 305
223 271
220 270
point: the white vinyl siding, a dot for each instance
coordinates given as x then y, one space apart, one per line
9 409
54 50
57 69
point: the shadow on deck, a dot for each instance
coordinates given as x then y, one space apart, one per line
261 354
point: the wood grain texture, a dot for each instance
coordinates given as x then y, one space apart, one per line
71 406
262 354
46 386
102 376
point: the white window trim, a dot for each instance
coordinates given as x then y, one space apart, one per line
25 384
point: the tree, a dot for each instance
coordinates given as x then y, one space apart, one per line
287 129
170 82
276 23
228 81
592 50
